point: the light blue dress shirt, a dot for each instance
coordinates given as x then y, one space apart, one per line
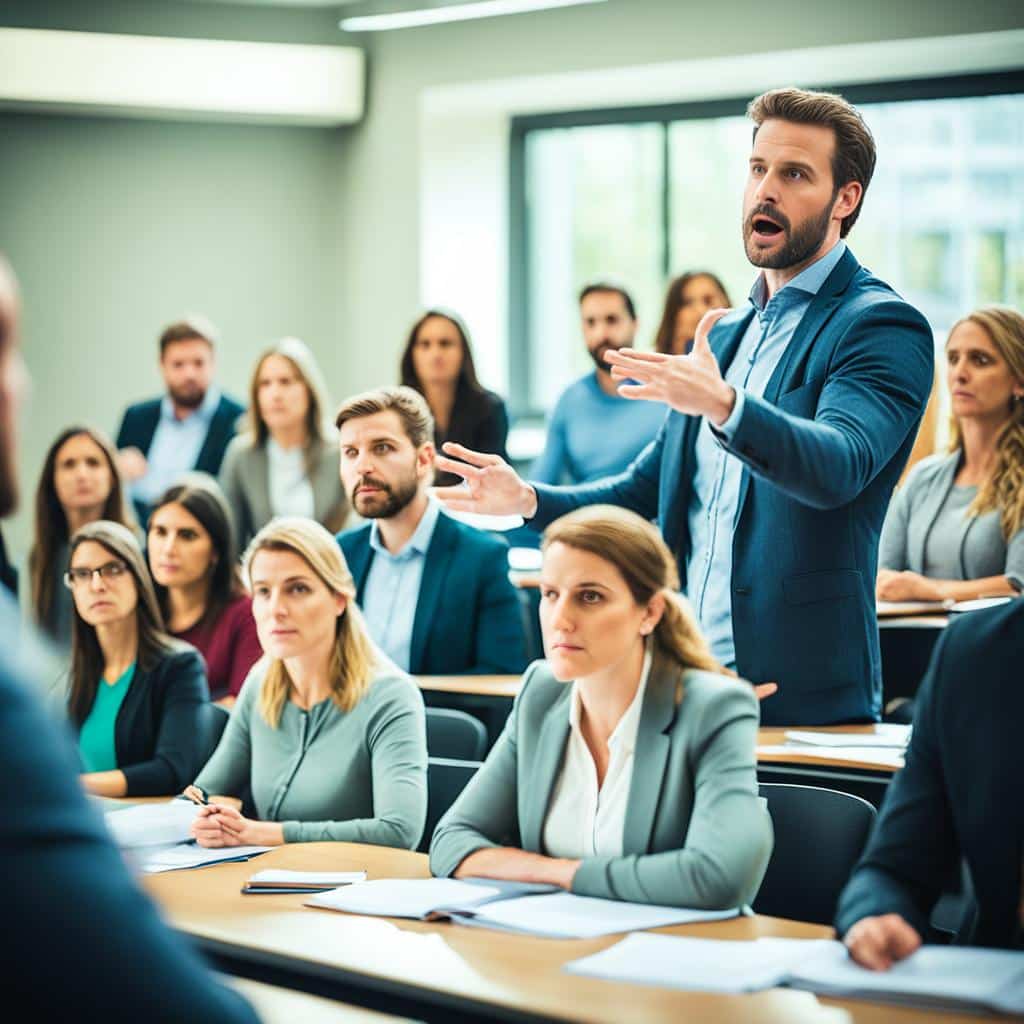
175 447
714 504
393 588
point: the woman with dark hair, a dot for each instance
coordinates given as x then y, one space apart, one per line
194 561
79 484
286 463
438 363
688 298
136 697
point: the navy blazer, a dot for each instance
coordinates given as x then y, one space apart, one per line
823 450
468 619
961 793
83 963
159 733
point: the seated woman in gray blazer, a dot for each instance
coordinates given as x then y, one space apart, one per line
328 733
954 529
626 769
286 463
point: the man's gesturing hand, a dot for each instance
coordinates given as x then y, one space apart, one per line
691 384
492 486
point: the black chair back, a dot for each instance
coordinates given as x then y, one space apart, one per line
446 778
819 837
455 734
215 718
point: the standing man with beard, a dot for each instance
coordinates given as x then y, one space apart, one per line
787 430
594 432
188 429
435 592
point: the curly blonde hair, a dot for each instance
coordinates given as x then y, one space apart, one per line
1004 488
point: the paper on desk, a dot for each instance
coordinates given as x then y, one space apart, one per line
897 608
278 876
486 522
566 916
152 824
188 855
884 757
525 559
709 965
934 976
886 735
403 897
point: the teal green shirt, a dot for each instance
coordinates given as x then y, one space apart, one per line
96 737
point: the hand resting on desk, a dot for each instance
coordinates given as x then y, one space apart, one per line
879 942
218 825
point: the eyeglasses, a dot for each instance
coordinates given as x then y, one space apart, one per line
109 571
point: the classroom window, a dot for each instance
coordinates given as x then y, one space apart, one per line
643 200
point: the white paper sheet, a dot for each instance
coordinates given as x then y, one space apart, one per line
402 897
564 915
278 876
188 855
705 965
885 735
152 824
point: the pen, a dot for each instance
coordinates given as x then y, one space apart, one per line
197 795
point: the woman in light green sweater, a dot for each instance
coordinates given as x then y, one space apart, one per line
327 732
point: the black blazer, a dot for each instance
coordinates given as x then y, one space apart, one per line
962 790
140 423
8 573
53 844
158 734
479 421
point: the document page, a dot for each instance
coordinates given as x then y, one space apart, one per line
278 876
699 965
152 824
189 855
885 735
404 897
564 915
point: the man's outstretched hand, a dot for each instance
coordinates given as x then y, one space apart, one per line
491 486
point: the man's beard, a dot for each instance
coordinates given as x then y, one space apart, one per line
597 355
393 500
800 245
187 399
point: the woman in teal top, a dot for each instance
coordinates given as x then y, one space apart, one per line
136 695
328 733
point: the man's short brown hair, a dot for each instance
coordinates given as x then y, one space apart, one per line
854 155
193 327
409 405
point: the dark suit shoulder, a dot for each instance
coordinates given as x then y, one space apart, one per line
479 540
354 537
177 661
229 406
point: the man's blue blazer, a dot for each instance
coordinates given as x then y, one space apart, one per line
823 450
468 618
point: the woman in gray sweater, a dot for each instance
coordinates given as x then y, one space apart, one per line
626 768
954 529
327 732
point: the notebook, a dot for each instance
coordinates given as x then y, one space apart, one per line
953 978
275 880
507 906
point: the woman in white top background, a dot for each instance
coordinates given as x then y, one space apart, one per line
286 463
626 769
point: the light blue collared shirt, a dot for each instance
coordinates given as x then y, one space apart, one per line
176 445
714 504
393 588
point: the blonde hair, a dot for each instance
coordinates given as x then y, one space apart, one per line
354 656
305 365
636 549
1004 488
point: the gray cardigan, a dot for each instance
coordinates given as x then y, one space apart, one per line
357 777
696 833
245 480
913 512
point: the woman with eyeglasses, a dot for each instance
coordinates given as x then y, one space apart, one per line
79 484
137 695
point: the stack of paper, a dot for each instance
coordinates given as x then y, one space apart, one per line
151 824
533 910
280 881
936 977
152 860
886 735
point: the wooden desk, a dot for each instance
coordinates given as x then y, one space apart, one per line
453 973
814 767
505 687
275 1005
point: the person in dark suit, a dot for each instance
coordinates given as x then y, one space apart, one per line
8 571
437 361
770 482
137 695
86 964
188 428
435 592
959 795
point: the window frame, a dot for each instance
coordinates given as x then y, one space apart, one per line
521 126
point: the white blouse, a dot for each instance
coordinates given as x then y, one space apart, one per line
584 820
291 493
